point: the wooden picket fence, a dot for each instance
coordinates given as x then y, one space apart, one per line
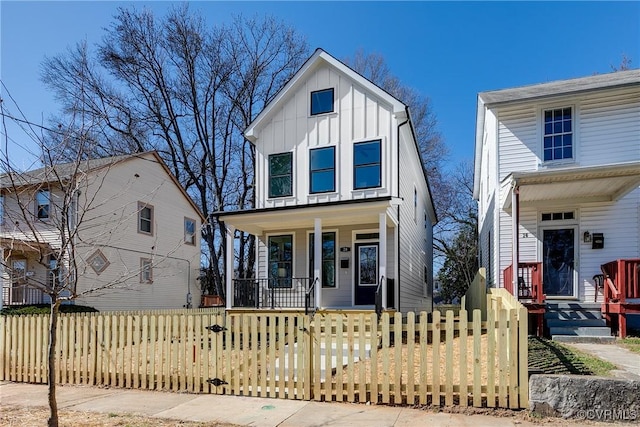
332 356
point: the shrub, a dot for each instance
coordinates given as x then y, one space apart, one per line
46 309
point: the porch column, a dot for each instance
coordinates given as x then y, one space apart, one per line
515 224
383 255
317 257
229 264
1 278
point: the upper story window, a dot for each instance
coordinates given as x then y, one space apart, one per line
280 175
145 218
323 170
367 167
43 204
322 101
558 134
190 231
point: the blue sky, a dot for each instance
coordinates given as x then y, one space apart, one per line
449 51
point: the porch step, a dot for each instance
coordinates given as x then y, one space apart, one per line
577 322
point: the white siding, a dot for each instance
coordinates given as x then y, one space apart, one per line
517 141
359 116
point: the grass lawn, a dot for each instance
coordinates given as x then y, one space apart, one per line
632 343
551 357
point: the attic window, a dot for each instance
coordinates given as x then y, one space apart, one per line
322 101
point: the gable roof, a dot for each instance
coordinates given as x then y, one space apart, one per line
318 58
562 87
66 171
490 99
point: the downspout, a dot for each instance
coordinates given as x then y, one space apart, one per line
397 267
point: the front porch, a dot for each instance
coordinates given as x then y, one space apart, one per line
619 285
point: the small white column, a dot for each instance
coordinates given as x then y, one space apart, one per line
382 256
229 264
515 224
317 257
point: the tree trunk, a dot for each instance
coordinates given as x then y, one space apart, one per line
53 324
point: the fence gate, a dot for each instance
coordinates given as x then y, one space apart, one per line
255 354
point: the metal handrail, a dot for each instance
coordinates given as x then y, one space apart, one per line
379 298
307 297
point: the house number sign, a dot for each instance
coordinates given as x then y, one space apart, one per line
345 249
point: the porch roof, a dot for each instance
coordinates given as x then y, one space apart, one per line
361 211
605 183
12 245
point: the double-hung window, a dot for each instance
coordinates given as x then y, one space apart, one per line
558 134
281 175
328 259
280 261
323 170
145 218
322 101
146 270
367 165
43 204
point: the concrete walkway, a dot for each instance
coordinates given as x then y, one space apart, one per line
627 361
244 411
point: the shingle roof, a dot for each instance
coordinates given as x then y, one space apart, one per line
562 87
61 171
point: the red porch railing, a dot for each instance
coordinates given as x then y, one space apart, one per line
529 285
621 280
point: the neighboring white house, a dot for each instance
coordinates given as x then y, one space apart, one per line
137 234
338 178
557 170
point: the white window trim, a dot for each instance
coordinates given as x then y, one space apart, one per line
195 231
144 261
542 164
293 252
335 102
336 261
142 205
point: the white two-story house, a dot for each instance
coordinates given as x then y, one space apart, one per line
557 170
135 232
343 210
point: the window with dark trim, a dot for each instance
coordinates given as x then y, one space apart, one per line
189 231
98 261
558 134
280 261
322 101
145 218
367 168
328 258
43 204
322 169
281 175
146 270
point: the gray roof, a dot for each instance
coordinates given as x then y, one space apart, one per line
562 87
54 173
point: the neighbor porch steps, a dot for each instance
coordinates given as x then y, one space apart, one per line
577 323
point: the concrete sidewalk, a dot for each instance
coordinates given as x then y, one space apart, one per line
245 411
628 362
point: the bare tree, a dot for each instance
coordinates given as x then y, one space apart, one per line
188 91
455 238
56 215
432 146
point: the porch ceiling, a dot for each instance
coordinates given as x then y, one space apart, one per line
260 221
11 246
605 183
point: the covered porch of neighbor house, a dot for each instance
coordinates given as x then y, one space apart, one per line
356 241
22 271
566 264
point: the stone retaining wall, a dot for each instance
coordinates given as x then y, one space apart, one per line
585 397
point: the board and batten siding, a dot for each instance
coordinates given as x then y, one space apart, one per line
416 249
111 225
359 116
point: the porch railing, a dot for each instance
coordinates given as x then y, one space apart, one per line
309 297
621 280
379 297
22 295
272 293
529 285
